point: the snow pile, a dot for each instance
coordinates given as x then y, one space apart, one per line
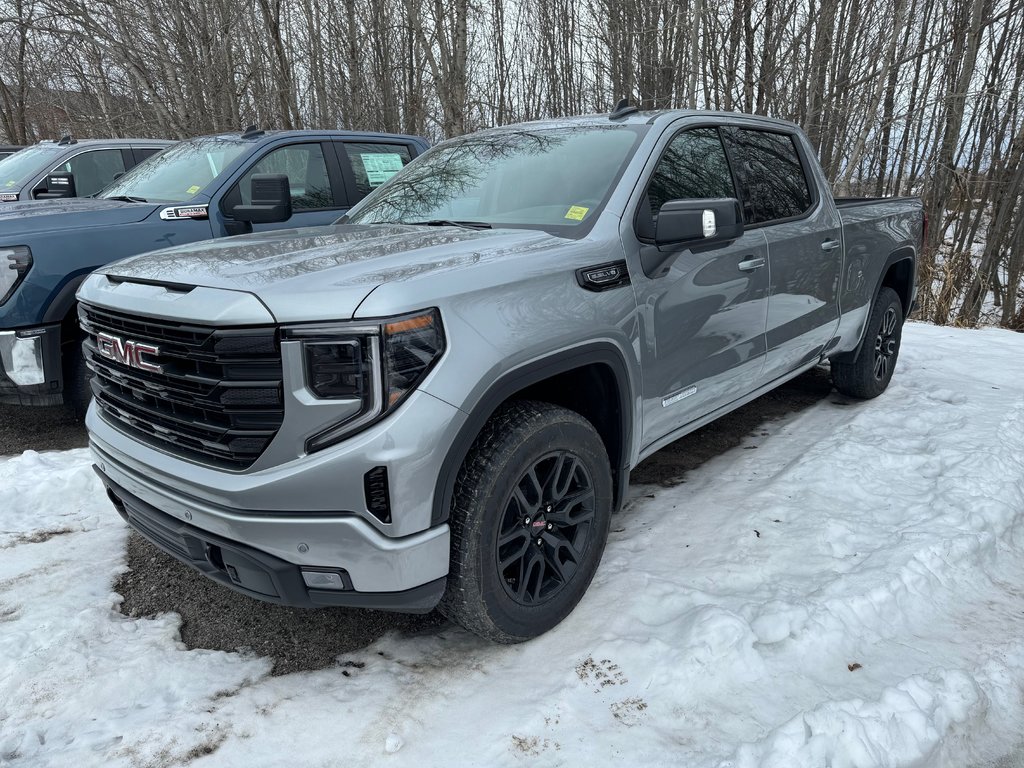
844 589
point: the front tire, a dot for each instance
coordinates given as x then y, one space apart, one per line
77 378
529 523
869 375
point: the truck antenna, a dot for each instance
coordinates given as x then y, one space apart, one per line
622 109
252 132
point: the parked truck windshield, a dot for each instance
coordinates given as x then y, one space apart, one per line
179 173
15 169
545 178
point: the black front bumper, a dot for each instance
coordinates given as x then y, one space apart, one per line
252 572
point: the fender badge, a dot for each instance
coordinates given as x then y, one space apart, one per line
185 212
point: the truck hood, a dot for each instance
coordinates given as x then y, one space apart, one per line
324 273
29 215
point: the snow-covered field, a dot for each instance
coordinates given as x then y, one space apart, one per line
849 594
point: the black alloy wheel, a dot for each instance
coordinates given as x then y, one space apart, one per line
545 529
886 344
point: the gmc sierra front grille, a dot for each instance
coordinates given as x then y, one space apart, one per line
211 395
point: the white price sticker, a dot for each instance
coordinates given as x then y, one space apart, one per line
380 166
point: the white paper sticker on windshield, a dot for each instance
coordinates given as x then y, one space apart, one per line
380 166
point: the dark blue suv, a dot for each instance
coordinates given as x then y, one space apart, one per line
213 186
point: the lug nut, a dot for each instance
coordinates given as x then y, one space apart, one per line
540 541
526 520
550 508
551 526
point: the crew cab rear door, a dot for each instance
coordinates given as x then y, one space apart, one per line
781 198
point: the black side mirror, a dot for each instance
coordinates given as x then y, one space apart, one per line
691 224
699 222
58 185
271 200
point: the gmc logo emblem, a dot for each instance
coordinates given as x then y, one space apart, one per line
128 352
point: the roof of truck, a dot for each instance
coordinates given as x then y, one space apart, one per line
254 134
643 117
72 142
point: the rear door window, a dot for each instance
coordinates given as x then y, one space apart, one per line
374 163
772 180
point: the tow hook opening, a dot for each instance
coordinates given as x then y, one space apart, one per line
214 557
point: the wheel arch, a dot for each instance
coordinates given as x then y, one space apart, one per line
63 307
586 380
899 273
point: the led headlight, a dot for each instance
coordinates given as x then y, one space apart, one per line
367 368
15 262
411 345
339 369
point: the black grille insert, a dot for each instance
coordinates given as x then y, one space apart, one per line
218 399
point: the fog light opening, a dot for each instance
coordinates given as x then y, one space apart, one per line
325 578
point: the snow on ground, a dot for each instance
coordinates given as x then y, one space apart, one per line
850 594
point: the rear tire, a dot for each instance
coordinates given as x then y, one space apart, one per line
533 503
869 375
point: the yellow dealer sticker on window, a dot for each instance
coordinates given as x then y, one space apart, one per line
577 212
193 189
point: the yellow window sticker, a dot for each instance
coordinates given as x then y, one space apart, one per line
577 212
10 183
193 189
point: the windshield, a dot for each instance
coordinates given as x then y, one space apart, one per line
177 174
18 169
547 178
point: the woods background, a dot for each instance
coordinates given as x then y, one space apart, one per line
900 96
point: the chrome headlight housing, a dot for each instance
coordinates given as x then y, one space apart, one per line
15 262
367 367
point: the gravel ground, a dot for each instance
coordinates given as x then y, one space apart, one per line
216 618
39 429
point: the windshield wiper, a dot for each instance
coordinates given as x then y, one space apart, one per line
128 199
450 223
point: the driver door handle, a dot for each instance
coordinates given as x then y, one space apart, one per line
830 245
751 264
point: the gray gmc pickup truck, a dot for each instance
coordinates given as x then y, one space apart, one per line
437 401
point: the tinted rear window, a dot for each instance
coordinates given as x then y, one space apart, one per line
770 174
